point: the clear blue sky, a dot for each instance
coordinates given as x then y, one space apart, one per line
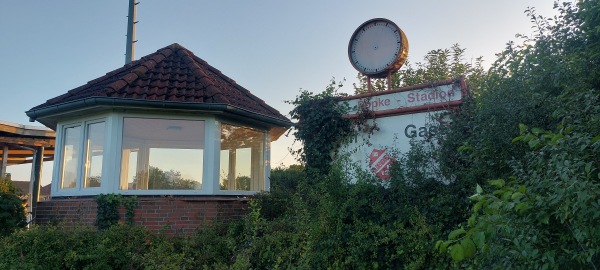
273 48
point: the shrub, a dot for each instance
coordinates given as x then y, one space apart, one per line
540 208
53 247
12 209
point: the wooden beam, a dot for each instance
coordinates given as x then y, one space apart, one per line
19 161
28 141
12 159
20 152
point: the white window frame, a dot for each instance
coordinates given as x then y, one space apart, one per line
111 160
206 172
79 190
266 160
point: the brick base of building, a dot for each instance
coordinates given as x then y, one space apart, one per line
171 215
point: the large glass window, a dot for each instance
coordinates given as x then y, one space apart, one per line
162 154
92 154
242 158
95 152
70 157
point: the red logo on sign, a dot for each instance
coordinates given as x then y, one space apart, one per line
380 163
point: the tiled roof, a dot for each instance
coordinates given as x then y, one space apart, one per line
172 74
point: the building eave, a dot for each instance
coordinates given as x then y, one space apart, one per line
49 115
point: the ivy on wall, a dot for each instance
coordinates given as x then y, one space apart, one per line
107 213
320 126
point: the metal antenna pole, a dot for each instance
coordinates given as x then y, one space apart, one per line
131 22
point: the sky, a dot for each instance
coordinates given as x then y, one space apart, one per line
273 48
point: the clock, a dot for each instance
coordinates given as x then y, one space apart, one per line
377 48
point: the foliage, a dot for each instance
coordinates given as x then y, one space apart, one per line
107 212
319 127
333 223
522 87
549 210
542 208
12 209
242 182
440 64
159 179
49 247
6 185
284 182
118 247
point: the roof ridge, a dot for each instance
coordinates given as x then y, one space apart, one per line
231 81
190 59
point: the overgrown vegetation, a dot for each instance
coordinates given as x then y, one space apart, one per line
440 64
107 209
319 127
540 152
527 144
12 208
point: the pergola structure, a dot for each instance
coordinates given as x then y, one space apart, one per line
21 144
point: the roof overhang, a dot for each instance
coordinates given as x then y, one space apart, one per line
50 115
21 140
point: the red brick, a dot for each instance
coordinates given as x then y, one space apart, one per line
173 215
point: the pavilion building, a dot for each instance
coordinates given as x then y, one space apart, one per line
187 140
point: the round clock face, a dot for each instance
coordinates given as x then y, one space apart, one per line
377 48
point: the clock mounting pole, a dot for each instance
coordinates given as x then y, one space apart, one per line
389 80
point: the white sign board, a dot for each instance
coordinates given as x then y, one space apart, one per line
401 115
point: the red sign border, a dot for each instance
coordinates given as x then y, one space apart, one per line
413 109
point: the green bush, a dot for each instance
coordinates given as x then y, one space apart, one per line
539 207
12 209
53 247
107 210
332 223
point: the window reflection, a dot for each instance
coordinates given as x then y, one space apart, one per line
95 153
242 158
162 154
70 160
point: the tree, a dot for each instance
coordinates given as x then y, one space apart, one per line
159 179
439 64
539 208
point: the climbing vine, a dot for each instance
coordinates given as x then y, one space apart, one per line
107 213
320 126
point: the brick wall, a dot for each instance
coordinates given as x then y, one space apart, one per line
171 215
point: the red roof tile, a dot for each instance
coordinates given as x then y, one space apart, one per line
171 74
